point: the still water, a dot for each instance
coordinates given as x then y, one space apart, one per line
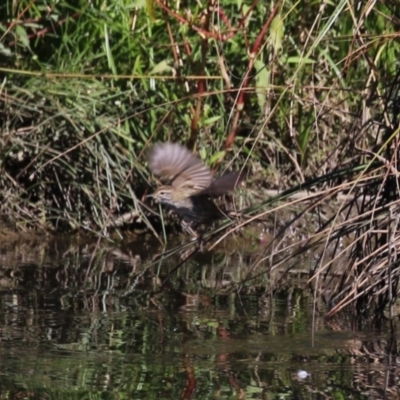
101 320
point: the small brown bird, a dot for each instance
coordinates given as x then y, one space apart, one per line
188 183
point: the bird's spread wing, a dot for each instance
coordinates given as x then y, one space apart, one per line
178 167
224 184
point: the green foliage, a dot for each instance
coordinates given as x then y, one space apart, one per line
100 81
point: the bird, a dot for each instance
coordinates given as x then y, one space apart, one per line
188 184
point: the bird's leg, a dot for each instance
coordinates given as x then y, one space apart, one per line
187 227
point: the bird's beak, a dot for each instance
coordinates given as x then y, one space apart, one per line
149 196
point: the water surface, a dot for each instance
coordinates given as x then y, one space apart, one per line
84 319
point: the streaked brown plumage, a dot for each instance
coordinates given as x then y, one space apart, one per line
188 183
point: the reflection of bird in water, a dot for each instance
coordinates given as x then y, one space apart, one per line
188 183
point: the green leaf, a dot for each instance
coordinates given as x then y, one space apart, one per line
211 120
276 32
139 3
148 5
262 82
137 66
217 157
160 68
245 9
150 9
298 60
203 153
5 51
22 35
